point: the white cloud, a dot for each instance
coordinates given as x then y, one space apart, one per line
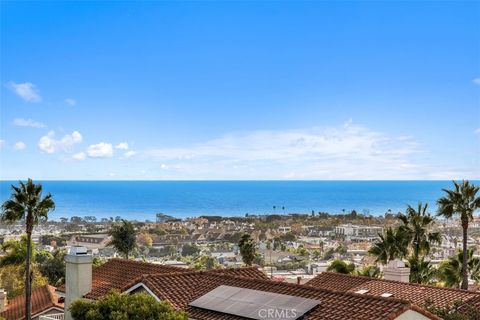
477 131
70 101
79 156
19 145
2 143
27 91
49 144
100 150
122 146
21 122
476 81
349 151
129 154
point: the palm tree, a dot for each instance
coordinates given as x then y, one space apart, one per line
451 270
26 203
392 244
462 201
421 271
415 224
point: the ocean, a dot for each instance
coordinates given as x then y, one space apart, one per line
141 200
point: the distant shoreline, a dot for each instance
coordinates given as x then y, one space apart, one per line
141 200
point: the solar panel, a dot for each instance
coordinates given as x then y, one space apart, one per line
254 304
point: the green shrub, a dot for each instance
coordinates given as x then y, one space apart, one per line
117 306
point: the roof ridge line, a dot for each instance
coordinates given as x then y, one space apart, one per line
399 282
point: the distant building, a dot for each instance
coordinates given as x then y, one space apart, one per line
355 232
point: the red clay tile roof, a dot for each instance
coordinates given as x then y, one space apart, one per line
182 288
43 298
116 273
415 293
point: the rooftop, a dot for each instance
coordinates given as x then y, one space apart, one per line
43 299
415 293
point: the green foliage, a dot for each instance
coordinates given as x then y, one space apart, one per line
206 263
53 267
247 249
190 250
16 252
12 279
462 201
450 271
391 245
157 231
457 311
302 251
341 267
415 224
97 262
116 306
370 271
27 203
60 240
124 237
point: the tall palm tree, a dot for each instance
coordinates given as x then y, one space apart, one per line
391 245
416 224
26 203
462 201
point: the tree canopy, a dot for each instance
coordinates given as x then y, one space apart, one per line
247 249
117 306
124 237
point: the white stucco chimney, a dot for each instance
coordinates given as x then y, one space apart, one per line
78 276
397 271
3 300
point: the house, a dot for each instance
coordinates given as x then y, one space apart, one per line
216 294
44 302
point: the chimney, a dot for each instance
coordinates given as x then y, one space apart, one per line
78 276
397 271
3 300
299 280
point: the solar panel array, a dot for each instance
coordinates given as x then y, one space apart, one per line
254 304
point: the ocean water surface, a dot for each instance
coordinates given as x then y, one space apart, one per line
141 200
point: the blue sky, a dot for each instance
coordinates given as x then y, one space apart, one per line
240 90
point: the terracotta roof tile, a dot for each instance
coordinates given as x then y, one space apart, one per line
115 273
415 293
182 288
118 273
43 298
